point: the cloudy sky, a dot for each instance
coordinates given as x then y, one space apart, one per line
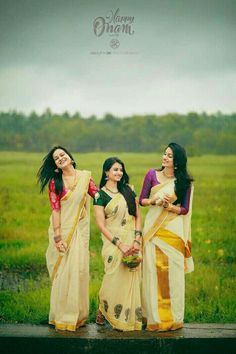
180 57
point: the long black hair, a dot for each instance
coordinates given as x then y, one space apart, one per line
49 170
182 177
122 185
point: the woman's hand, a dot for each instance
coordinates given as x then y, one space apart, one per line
61 246
125 249
156 201
166 200
136 247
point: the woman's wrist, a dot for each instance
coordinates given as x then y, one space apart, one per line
57 238
137 241
56 228
157 201
168 206
152 202
116 241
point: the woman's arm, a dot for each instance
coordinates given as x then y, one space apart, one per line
100 220
152 201
56 222
137 233
180 209
173 208
148 182
56 216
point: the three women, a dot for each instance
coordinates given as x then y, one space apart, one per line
167 242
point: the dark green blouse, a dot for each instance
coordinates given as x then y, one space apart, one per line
103 199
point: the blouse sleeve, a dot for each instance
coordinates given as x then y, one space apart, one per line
99 199
147 185
53 197
184 207
92 189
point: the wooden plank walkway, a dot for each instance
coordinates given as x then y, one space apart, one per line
92 339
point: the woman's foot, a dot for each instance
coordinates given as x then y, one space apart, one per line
100 319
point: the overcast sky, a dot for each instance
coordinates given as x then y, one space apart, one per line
180 57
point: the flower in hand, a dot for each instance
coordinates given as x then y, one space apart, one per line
132 261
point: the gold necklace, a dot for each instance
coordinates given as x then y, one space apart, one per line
167 176
70 186
111 190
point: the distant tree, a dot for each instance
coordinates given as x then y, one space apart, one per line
200 133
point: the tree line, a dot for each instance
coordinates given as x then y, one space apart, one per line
199 133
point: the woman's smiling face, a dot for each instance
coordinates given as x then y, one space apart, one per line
61 158
168 158
115 173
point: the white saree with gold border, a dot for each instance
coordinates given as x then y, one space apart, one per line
69 303
166 258
119 296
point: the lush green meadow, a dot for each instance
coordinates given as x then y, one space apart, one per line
24 214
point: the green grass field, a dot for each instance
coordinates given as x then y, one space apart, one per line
24 218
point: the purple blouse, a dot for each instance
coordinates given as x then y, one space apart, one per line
151 180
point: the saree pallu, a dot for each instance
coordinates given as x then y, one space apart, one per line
119 296
166 259
69 272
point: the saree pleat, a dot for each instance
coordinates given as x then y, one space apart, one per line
69 272
166 258
119 296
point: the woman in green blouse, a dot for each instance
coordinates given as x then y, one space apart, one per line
118 218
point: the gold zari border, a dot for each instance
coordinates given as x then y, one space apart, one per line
164 302
164 218
67 326
171 239
171 326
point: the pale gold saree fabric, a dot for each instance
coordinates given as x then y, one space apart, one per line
119 295
166 258
69 303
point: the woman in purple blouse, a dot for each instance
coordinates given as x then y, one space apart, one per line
167 192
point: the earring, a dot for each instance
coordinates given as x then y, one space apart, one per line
106 178
56 170
175 167
72 161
